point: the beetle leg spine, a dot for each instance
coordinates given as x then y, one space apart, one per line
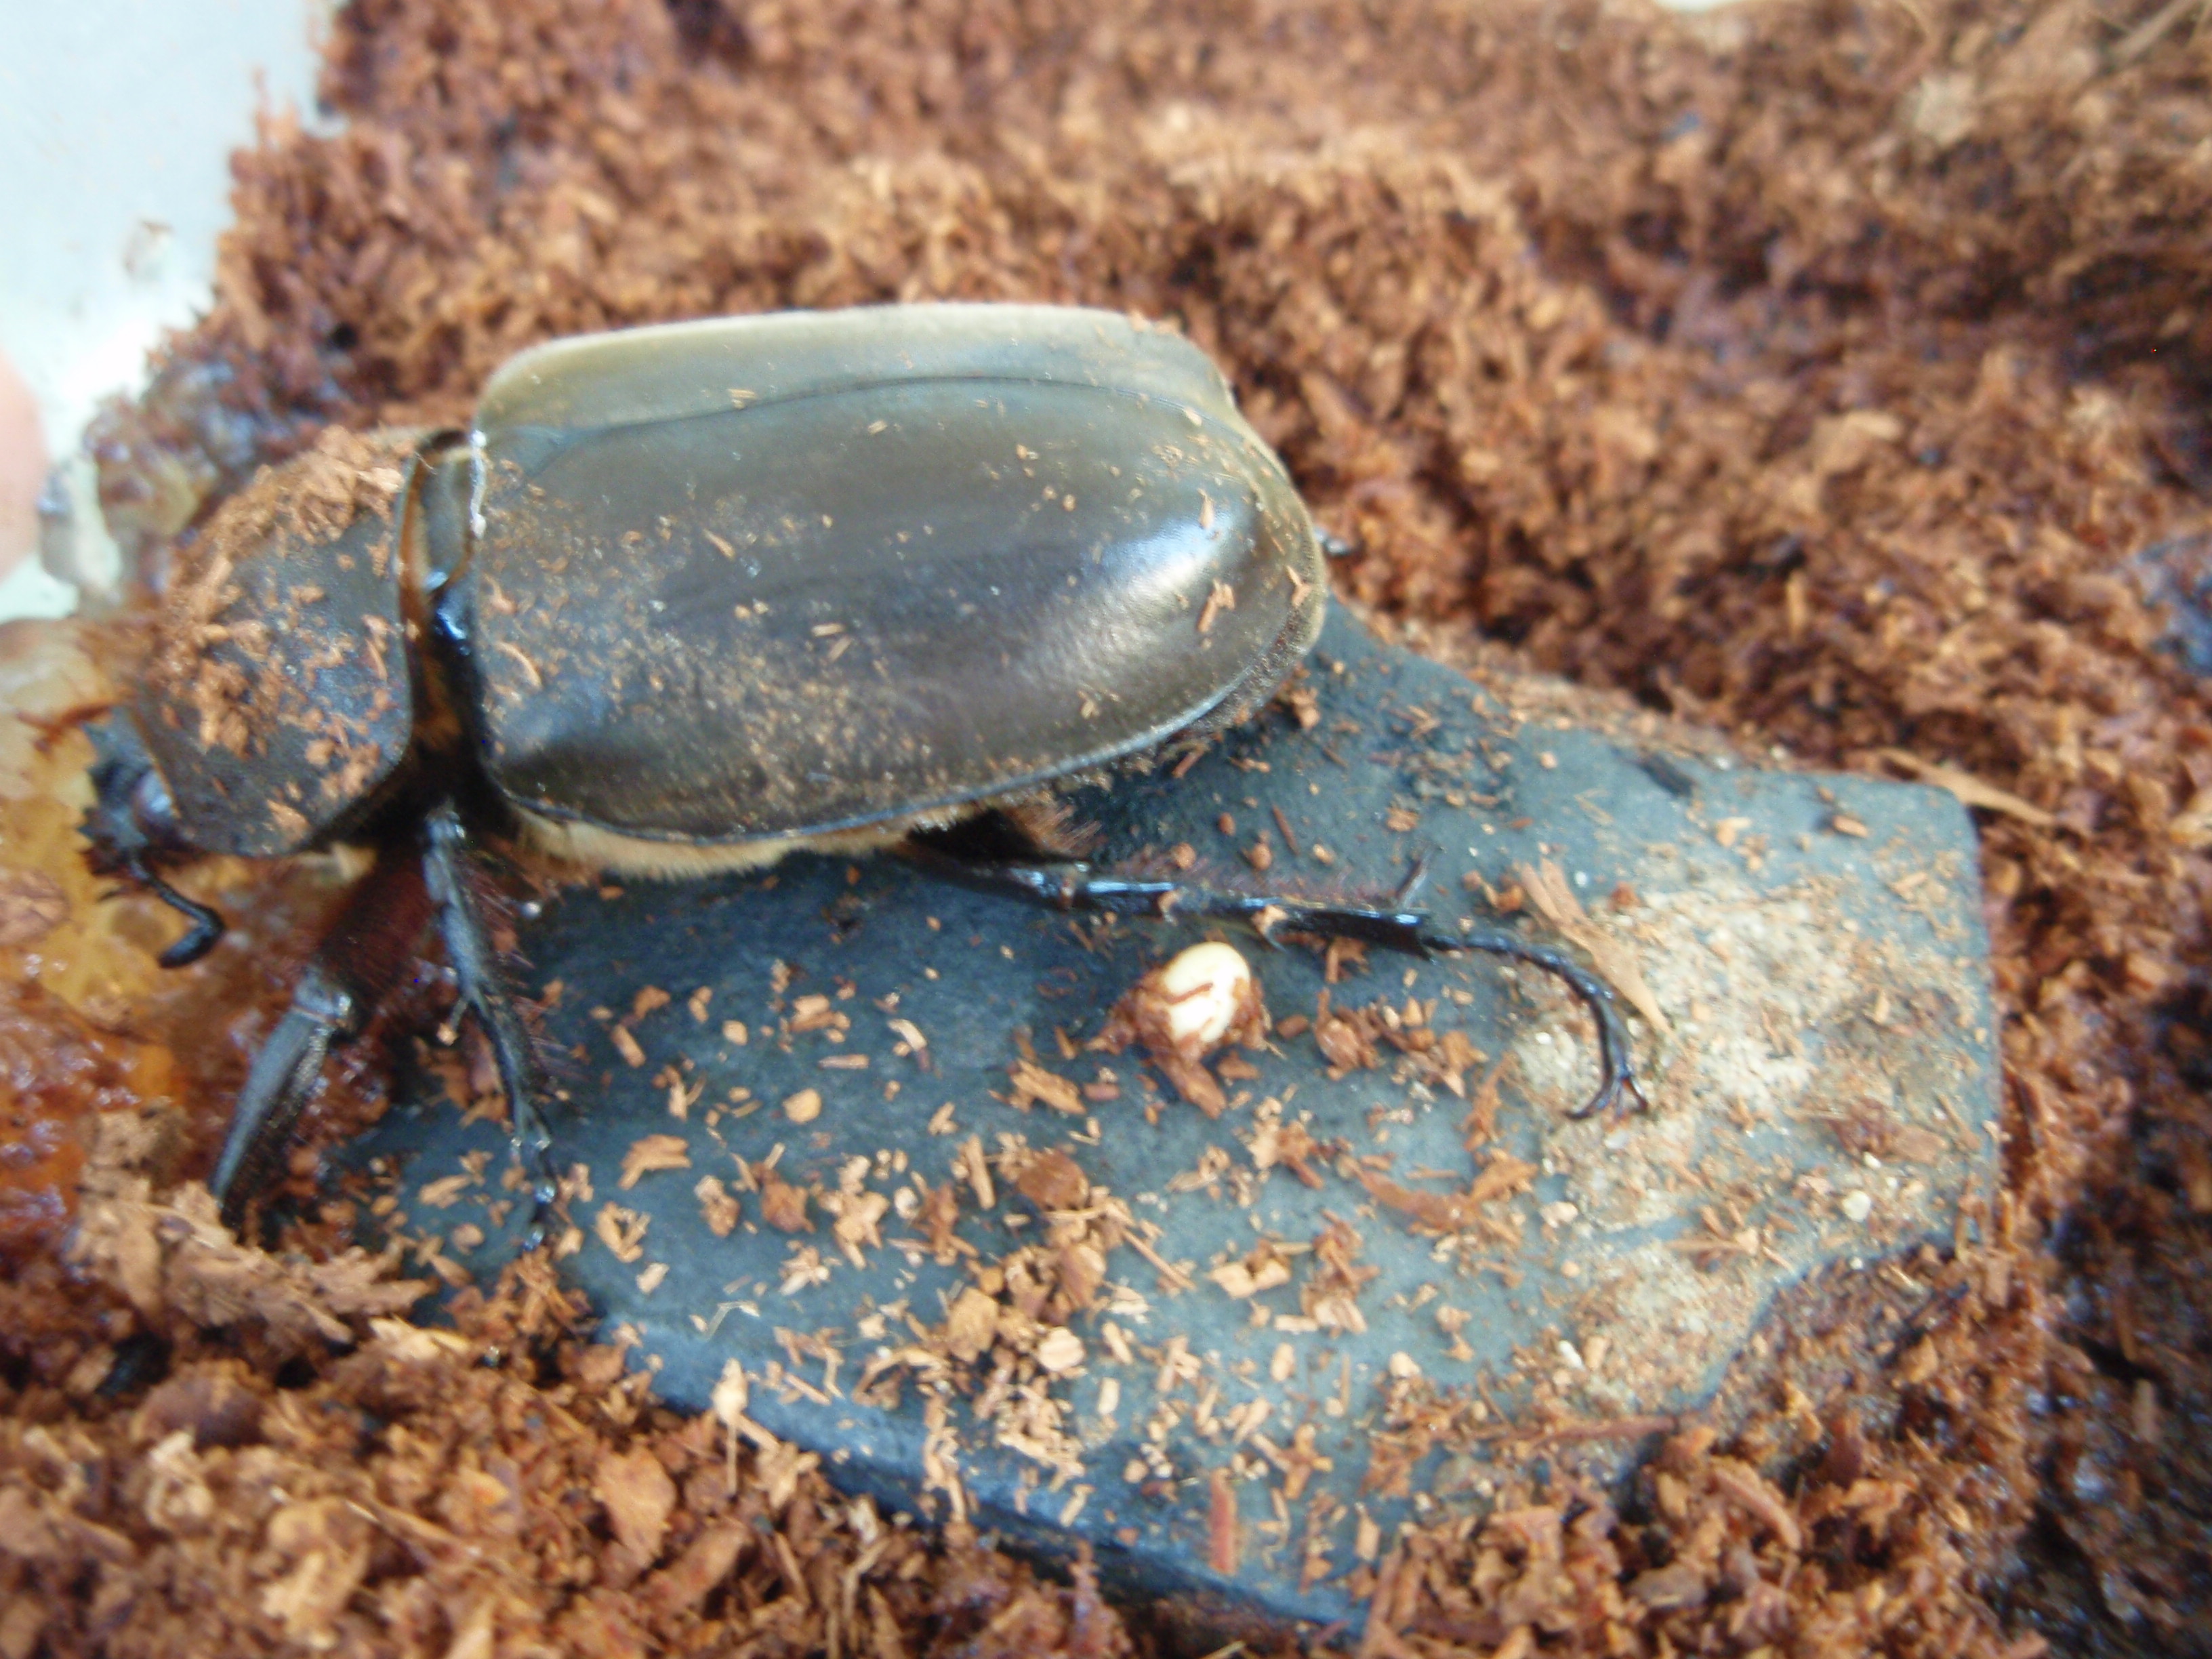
363 956
283 1077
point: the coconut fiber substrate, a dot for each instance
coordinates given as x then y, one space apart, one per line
1829 373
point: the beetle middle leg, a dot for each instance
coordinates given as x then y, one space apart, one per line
1075 886
465 928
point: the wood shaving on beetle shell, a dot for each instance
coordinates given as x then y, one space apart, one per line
315 499
1806 370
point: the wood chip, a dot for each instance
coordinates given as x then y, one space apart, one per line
1033 1083
718 1206
652 1152
621 1230
1549 891
1060 1350
1968 789
31 905
783 1206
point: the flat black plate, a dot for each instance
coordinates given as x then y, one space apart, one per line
1805 972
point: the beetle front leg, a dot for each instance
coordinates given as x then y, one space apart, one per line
1077 887
360 960
462 926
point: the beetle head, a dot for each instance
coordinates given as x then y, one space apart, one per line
132 829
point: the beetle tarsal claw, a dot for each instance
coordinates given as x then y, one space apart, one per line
1616 1055
1617 1096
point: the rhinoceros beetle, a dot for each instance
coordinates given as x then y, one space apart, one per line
686 598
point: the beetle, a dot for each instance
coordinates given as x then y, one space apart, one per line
685 598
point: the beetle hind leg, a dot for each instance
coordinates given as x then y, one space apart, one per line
1393 927
463 925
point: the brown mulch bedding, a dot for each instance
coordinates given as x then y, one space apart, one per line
1812 370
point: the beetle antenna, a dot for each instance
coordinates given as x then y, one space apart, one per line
52 728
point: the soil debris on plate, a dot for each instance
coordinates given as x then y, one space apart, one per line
1184 1010
1812 372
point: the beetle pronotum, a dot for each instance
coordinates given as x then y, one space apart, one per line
686 598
